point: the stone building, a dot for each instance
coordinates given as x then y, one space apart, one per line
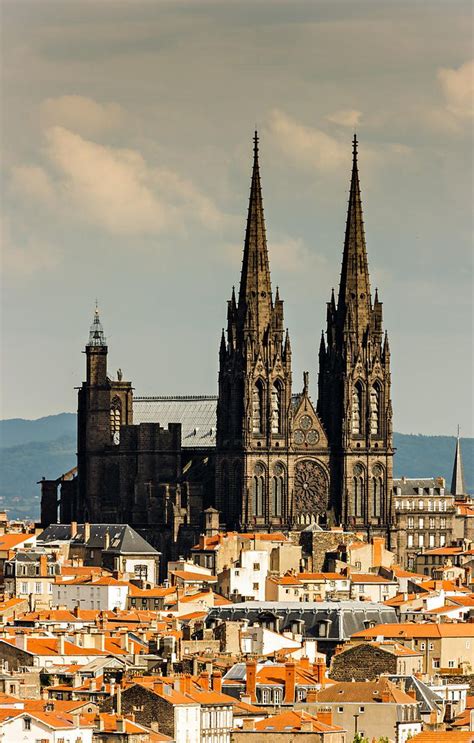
266 457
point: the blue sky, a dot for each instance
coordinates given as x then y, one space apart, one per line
126 132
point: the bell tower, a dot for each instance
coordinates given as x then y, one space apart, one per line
354 386
254 403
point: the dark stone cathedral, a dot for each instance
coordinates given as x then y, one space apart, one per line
266 457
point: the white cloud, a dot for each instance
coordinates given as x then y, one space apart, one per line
81 114
346 117
113 188
22 258
307 146
458 89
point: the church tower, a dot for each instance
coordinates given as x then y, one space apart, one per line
104 405
253 428
354 387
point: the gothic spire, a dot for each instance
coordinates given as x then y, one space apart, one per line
355 283
457 483
255 286
96 332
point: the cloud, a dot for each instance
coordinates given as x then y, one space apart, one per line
345 117
23 257
307 146
288 255
458 89
81 114
113 188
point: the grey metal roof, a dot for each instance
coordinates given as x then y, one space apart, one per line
427 698
196 413
409 486
122 538
344 618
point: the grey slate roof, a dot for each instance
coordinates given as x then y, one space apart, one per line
122 538
344 618
409 486
428 699
196 413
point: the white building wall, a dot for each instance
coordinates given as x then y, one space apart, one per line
187 723
16 731
249 579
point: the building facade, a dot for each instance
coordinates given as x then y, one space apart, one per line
266 457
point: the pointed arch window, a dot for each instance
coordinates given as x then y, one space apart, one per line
277 407
375 409
115 420
258 407
358 496
277 492
357 408
258 487
377 489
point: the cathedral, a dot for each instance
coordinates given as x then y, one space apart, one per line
260 456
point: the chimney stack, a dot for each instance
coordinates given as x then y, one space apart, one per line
43 566
217 681
251 679
73 529
290 682
87 532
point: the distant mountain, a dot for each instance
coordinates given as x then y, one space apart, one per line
31 449
20 431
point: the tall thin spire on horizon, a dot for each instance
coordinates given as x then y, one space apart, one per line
354 287
458 486
255 285
96 331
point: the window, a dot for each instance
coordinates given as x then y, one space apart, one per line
24 588
277 407
358 495
115 420
357 408
432 540
422 645
410 540
37 587
340 709
141 572
432 523
322 629
443 522
397 505
420 505
435 662
442 540
421 523
430 646
421 540
257 487
258 407
361 710
256 566
377 487
410 522
255 586
375 410
27 723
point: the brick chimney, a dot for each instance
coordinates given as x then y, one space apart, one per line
306 726
248 724
385 696
378 544
73 529
290 682
61 645
251 679
87 532
325 715
217 681
185 683
120 724
319 669
43 566
204 680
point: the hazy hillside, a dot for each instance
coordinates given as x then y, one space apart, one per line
47 446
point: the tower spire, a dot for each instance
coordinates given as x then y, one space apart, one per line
255 286
355 284
458 486
96 331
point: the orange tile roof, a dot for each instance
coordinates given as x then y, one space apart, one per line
446 585
50 646
109 722
443 736
194 577
364 691
291 722
10 541
368 578
401 598
408 630
307 577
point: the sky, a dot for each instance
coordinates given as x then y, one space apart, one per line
126 156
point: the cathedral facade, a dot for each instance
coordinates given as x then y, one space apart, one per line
265 456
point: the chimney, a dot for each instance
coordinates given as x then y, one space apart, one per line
99 723
106 541
124 642
378 544
43 566
290 682
120 723
87 532
61 645
73 529
76 719
319 669
158 686
204 680
304 663
251 680
21 641
306 726
93 685
325 715
118 700
385 696
217 681
312 695
248 724
76 680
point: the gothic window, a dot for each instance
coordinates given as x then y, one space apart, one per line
357 408
258 485
278 485
277 407
225 482
377 490
375 409
358 483
115 420
258 407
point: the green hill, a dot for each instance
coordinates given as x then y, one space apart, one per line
31 449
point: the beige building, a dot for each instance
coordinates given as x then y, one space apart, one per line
31 575
374 709
447 646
